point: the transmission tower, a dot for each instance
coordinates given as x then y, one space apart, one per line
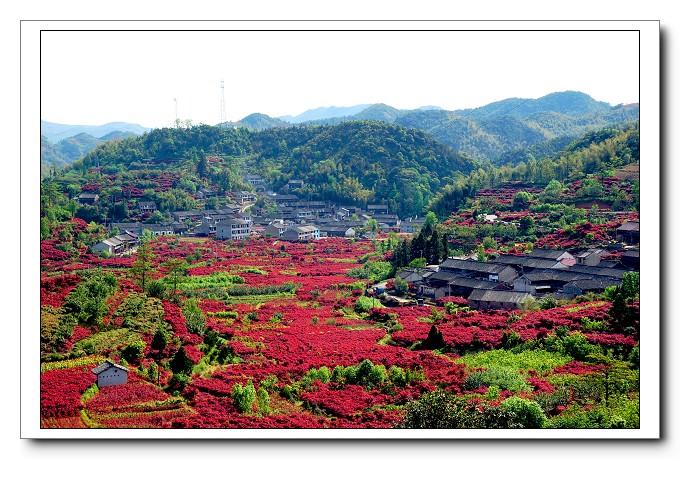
223 112
176 117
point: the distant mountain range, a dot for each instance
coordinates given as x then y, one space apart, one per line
494 132
324 113
55 132
61 145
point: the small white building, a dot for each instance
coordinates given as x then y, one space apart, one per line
109 374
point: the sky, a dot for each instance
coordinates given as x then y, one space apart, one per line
153 78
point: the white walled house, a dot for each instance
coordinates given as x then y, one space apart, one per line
110 374
301 233
233 229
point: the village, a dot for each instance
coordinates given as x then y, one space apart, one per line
292 219
505 281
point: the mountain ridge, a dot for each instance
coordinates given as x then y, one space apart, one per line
55 132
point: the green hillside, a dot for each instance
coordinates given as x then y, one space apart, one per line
356 162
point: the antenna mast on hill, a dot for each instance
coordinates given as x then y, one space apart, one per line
176 117
223 112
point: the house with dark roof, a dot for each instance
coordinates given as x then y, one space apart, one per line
554 254
413 275
294 184
378 209
583 286
491 299
110 374
544 281
631 259
134 228
412 225
245 197
206 193
146 206
330 231
463 287
597 271
191 215
254 180
476 269
629 232
87 198
160 229
118 245
527 263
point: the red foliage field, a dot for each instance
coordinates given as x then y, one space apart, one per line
283 338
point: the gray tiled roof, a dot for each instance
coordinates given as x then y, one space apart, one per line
470 265
546 253
498 296
106 365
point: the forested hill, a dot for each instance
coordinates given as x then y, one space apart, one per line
590 158
357 162
361 161
493 131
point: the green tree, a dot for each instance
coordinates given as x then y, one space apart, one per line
195 319
263 401
176 268
527 225
143 265
244 397
160 339
400 285
525 414
552 191
630 285
417 246
521 200
133 351
181 363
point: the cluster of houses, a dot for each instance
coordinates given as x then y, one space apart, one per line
294 219
508 281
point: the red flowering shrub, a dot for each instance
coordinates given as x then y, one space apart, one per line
60 391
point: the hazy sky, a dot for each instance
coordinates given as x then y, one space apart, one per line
95 77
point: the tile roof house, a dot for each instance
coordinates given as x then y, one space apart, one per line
554 254
118 245
275 229
582 286
464 287
491 299
590 257
301 233
629 232
147 206
87 198
631 259
110 374
479 270
543 281
527 263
